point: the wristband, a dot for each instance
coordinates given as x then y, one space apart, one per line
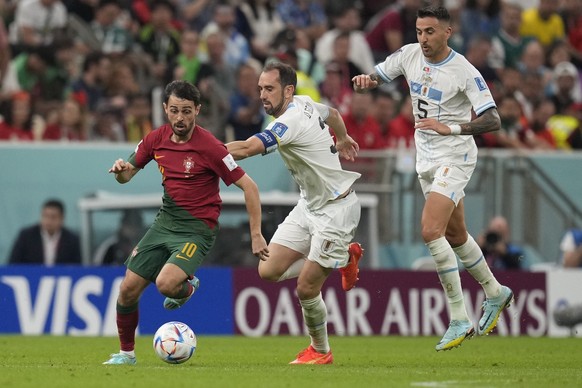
455 129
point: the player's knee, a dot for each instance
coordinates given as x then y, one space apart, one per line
268 275
306 290
167 286
128 295
430 233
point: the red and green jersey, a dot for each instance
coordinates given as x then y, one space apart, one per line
190 173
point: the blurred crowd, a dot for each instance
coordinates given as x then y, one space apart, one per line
92 70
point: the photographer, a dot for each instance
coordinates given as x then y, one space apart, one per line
499 252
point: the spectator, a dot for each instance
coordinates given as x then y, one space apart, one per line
478 51
479 18
363 127
246 114
575 137
305 84
565 86
18 121
118 247
110 32
93 79
303 46
346 24
215 88
558 52
159 39
305 15
188 65
259 22
392 28
334 91
543 23
401 128
542 136
71 122
138 117
497 247
122 82
561 126
340 52
196 13
223 71
571 13
5 51
34 71
533 60
385 110
508 44
513 132
37 23
571 248
530 92
48 242
237 49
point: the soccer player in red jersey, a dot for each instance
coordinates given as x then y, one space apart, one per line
191 161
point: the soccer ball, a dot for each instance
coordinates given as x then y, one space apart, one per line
174 342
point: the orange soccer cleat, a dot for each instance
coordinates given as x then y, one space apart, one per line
350 271
311 356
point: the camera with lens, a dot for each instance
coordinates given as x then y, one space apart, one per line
492 238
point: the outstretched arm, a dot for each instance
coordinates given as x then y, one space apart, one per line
489 121
242 149
123 170
253 205
365 82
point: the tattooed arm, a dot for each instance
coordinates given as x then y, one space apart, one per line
488 121
365 82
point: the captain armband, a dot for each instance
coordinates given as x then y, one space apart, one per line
268 140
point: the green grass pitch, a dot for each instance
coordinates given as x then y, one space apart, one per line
360 362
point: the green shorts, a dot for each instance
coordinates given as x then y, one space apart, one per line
186 248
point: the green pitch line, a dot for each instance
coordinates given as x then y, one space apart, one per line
360 362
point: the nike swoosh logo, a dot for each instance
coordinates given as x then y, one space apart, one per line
483 326
156 157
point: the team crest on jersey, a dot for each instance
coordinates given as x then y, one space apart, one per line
327 246
279 129
188 164
480 83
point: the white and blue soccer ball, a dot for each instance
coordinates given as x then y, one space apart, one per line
174 342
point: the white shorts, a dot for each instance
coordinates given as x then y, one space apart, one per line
448 179
323 235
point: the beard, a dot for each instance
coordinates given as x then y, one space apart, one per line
276 111
182 131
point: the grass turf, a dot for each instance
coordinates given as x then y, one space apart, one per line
368 362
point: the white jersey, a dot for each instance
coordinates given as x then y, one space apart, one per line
307 149
445 91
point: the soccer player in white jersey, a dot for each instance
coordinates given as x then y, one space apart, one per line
444 87
315 237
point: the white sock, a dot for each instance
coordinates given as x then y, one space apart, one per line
128 353
472 258
448 272
293 271
315 317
